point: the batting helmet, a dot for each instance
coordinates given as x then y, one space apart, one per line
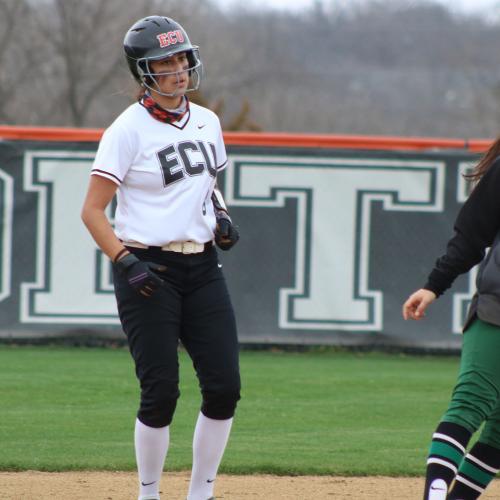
155 38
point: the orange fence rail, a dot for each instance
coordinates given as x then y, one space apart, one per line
266 139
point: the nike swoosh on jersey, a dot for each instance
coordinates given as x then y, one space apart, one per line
202 125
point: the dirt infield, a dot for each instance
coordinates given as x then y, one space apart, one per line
122 486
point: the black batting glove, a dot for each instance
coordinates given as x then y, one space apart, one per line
226 235
141 276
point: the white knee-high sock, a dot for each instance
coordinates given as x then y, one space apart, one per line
209 442
151 445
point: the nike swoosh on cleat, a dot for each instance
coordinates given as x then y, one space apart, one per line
148 484
437 488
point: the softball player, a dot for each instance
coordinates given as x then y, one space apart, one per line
476 396
161 157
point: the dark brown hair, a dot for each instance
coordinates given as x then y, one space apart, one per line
139 93
485 162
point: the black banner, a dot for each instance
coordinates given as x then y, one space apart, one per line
332 243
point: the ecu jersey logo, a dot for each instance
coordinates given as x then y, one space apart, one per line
170 38
187 157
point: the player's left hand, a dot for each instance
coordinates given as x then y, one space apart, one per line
417 303
226 235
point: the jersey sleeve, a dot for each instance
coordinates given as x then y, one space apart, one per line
114 155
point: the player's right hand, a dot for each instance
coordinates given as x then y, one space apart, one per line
141 276
417 303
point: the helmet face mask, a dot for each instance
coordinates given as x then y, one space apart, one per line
149 78
156 38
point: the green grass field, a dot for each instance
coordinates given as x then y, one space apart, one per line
301 413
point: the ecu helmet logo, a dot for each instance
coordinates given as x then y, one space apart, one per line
170 38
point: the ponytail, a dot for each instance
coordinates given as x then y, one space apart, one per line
485 162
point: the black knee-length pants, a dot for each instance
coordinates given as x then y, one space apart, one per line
193 306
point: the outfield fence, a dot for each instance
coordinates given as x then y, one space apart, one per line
336 231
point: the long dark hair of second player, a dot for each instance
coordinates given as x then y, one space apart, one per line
485 162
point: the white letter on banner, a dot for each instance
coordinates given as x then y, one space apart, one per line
461 300
72 276
6 210
334 198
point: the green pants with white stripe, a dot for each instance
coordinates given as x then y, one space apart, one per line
476 396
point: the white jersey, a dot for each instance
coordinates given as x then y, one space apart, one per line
165 172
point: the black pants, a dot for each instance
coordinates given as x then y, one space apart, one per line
193 307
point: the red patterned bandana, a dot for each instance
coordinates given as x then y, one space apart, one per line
162 114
